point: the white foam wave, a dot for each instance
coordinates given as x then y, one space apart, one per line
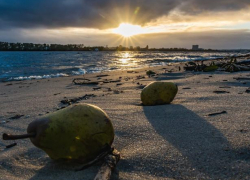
21 78
79 72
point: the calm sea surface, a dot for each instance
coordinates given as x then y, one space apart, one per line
37 65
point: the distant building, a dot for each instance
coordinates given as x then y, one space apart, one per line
195 47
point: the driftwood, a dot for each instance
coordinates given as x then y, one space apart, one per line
243 68
11 145
96 88
235 68
111 81
110 157
83 81
102 75
104 152
108 166
195 66
218 113
17 116
114 81
231 66
75 100
220 92
242 78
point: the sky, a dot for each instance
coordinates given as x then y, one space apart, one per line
216 24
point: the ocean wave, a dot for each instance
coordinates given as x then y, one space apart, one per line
21 78
98 69
20 67
79 72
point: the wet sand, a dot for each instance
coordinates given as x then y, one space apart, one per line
182 140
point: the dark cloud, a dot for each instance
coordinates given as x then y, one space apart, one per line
80 13
199 6
101 13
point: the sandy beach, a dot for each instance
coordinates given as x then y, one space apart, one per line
182 140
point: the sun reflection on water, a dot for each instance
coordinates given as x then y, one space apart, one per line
125 59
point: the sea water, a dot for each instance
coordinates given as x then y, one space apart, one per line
22 65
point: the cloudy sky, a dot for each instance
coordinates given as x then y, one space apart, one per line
160 23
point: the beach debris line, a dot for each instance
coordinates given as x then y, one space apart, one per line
77 99
78 132
232 66
157 93
217 113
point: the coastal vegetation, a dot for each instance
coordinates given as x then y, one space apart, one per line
6 46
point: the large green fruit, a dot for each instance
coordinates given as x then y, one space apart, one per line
158 93
77 132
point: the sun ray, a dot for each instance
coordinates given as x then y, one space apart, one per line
135 40
118 40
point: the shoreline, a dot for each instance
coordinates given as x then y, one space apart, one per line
81 71
180 63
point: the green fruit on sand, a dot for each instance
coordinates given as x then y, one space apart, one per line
78 132
157 93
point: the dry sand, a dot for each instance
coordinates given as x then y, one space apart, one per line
176 141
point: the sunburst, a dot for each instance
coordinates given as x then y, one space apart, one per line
128 30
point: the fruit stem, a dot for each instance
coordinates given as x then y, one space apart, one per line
14 137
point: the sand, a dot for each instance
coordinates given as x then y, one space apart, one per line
176 141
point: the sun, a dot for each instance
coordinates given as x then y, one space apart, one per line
128 30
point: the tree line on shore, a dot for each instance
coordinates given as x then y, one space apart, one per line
5 46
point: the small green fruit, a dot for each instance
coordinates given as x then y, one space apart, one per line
158 93
77 132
